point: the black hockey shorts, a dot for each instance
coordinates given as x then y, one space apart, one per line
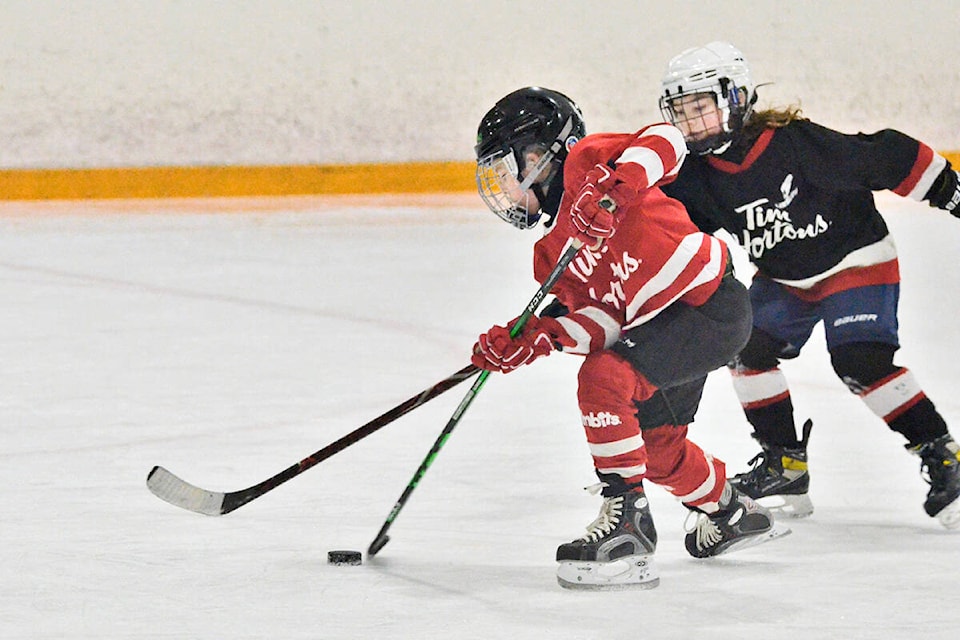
681 345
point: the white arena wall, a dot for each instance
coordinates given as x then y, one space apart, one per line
160 83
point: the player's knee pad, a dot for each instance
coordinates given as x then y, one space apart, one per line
762 352
861 364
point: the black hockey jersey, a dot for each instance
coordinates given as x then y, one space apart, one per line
800 202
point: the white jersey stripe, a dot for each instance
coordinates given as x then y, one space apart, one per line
879 252
647 158
705 487
611 328
616 448
652 162
930 174
672 135
688 248
625 472
578 333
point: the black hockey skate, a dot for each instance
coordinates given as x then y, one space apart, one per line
779 479
740 523
940 467
617 550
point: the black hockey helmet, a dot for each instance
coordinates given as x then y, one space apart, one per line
521 145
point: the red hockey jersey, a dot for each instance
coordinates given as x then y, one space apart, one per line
656 258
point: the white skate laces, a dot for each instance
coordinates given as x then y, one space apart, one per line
707 532
609 517
741 525
607 557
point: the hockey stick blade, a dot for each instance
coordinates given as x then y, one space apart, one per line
180 493
378 543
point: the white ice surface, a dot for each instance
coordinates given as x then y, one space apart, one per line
227 346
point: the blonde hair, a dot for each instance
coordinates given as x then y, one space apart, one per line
774 118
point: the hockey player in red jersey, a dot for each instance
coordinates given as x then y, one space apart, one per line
652 305
799 199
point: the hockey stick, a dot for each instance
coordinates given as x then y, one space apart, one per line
382 538
181 493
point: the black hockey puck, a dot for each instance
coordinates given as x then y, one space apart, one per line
343 557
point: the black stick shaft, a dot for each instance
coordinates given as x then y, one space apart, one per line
236 499
382 538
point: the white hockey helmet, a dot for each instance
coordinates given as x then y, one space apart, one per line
717 68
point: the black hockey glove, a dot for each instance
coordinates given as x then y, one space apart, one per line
945 191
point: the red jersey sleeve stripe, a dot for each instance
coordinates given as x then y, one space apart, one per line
926 168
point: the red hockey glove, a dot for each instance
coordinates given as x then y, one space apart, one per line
497 351
592 209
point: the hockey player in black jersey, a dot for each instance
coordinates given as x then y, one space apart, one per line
799 198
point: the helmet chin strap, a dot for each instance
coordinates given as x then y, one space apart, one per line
736 131
721 148
555 147
550 198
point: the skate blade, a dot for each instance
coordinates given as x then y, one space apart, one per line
788 506
777 531
630 572
949 516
